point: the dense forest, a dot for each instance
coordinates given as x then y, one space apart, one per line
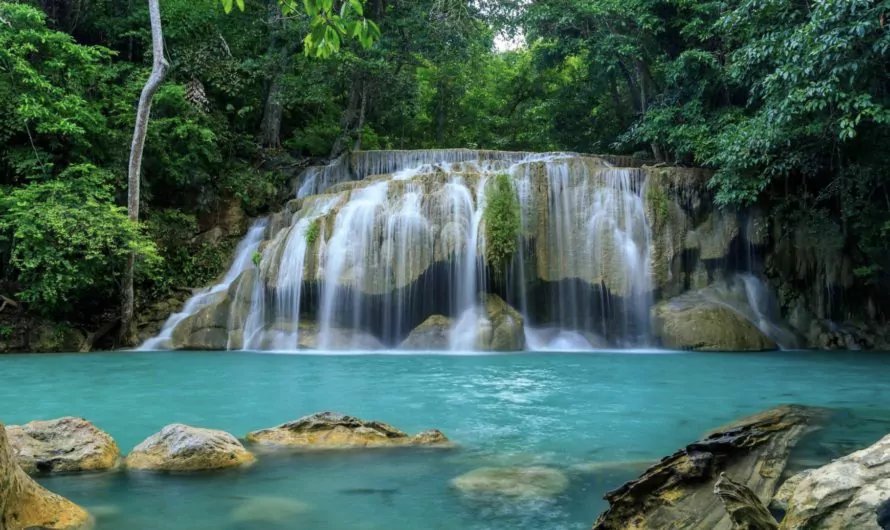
788 101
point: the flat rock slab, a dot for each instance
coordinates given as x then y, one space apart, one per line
678 491
181 447
331 430
64 445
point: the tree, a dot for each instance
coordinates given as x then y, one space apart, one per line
158 72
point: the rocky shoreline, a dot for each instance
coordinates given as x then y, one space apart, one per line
734 477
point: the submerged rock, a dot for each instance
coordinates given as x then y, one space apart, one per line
269 510
521 483
180 447
64 445
678 491
330 430
25 504
706 327
847 493
431 334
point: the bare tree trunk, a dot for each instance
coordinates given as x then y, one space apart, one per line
158 71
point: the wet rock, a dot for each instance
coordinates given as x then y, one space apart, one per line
64 445
52 337
744 508
678 491
180 447
431 334
521 483
847 493
268 510
330 430
504 326
706 327
25 504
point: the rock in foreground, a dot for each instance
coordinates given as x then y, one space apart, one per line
330 430
744 508
678 492
24 504
65 445
520 483
847 493
180 447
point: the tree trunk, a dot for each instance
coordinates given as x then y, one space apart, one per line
158 71
351 116
273 110
270 129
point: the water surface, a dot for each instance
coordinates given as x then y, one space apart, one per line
561 410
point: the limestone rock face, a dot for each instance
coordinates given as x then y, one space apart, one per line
330 430
64 445
25 504
218 324
706 327
431 334
520 483
180 447
786 490
678 491
846 493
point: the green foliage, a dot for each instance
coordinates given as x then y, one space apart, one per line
5 332
69 239
502 222
313 231
256 258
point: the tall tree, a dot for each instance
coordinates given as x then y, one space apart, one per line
158 72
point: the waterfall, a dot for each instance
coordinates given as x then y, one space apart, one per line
244 253
378 242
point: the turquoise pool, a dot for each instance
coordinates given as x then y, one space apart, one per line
566 411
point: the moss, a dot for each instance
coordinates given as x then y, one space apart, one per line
658 200
502 223
312 232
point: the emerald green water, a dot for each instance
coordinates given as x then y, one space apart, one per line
559 410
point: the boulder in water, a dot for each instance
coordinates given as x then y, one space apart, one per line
180 447
432 334
501 328
330 430
706 327
678 491
25 504
64 445
847 493
520 483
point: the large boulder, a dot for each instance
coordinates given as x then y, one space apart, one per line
64 445
503 329
520 483
25 504
330 430
704 326
180 447
432 334
678 491
847 493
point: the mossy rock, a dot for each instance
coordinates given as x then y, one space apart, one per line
706 327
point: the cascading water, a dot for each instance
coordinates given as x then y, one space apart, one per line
381 245
244 253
